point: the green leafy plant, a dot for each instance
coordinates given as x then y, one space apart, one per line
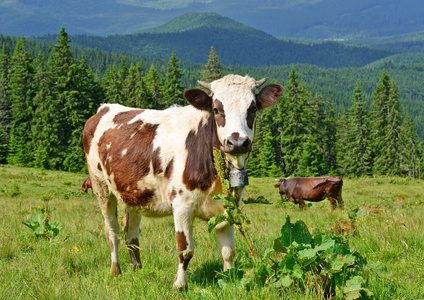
322 263
40 220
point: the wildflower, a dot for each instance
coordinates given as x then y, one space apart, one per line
75 249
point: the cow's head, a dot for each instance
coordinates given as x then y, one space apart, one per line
233 102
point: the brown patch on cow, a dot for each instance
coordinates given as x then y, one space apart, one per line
90 128
126 116
182 246
99 167
235 135
199 171
137 197
180 192
173 194
140 155
169 168
157 167
251 115
218 109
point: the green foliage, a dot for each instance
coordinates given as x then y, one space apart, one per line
327 260
172 89
302 261
40 221
213 69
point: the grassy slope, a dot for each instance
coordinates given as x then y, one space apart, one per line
76 263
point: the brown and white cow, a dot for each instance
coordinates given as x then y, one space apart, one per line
313 189
160 163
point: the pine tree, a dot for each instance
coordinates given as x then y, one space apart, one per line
21 95
410 140
356 158
323 118
55 111
213 69
296 127
154 86
266 157
342 144
41 119
5 103
113 86
85 96
311 161
387 123
3 146
172 89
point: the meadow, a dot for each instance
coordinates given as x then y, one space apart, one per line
389 228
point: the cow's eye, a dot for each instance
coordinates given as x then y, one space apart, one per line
215 111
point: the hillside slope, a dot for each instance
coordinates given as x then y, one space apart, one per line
235 43
317 19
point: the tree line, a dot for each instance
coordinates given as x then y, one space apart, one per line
44 104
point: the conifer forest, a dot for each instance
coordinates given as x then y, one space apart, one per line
47 93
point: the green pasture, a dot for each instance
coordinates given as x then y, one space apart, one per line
387 226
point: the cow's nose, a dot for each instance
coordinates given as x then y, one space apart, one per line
237 145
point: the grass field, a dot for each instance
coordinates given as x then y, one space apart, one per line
75 264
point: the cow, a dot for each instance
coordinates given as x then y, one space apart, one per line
86 185
160 162
313 189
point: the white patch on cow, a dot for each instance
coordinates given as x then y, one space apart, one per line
124 152
108 146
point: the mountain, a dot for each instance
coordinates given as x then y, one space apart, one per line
192 35
317 19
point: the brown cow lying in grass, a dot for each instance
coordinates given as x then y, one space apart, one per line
313 189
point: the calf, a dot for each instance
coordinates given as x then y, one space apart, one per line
313 189
160 163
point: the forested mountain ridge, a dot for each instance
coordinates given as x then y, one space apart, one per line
237 44
44 104
317 19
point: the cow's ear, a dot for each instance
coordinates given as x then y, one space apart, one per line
199 99
269 95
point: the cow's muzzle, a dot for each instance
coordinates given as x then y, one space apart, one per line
237 145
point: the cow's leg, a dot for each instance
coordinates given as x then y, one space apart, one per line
333 203
109 209
340 200
132 220
225 239
302 204
183 220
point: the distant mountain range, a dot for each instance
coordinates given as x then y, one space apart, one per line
192 35
316 19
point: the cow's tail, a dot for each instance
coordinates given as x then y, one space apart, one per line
336 182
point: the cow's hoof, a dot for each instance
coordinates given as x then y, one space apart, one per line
179 289
115 269
135 266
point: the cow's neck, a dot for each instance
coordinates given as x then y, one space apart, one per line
199 170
